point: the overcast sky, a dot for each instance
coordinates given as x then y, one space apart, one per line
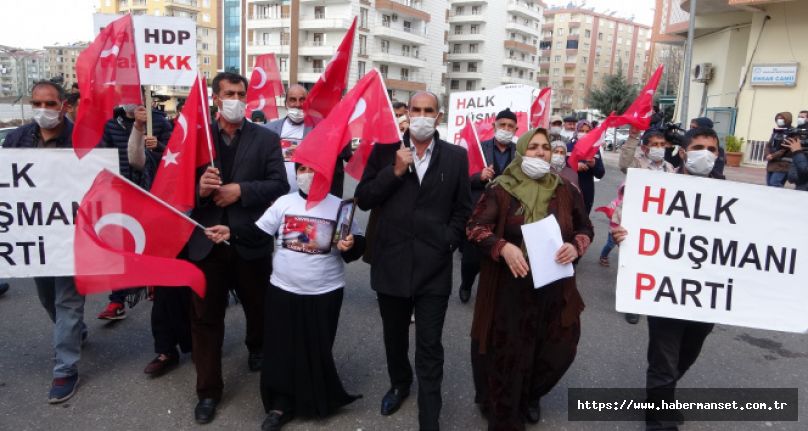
36 23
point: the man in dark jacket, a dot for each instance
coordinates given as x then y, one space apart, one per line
798 173
129 122
420 192
498 153
249 175
64 305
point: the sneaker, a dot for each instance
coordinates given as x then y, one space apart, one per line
604 261
63 388
114 311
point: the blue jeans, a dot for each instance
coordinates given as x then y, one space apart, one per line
65 308
776 179
608 247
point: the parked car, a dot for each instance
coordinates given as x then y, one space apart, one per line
613 141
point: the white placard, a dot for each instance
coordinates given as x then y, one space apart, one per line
486 104
41 191
542 240
165 46
714 251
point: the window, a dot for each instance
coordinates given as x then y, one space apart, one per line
472 47
456 66
383 70
317 39
587 34
363 44
319 12
472 67
456 49
475 29
600 36
458 29
285 37
405 50
475 10
205 59
407 26
557 59
454 84
360 68
405 74
469 85
561 31
459 10
283 64
317 65
363 19
385 46
265 38
386 20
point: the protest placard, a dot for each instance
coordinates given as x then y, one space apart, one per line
42 189
713 251
485 104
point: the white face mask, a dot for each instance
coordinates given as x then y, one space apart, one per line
581 135
781 122
801 121
700 162
46 118
558 161
233 110
295 115
535 167
567 133
504 136
656 154
422 128
304 182
555 130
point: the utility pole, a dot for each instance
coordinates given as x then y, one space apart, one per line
294 31
685 100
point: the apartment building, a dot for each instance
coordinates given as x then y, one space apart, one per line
493 43
204 12
579 47
19 69
61 61
404 39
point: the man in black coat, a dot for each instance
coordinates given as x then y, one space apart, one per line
249 175
498 153
420 193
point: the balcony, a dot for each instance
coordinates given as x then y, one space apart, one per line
261 23
566 105
544 65
465 75
259 48
547 26
308 76
464 56
402 9
574 37
522 9
400 35
574 24
519 46
317 49
569 64
405 85
516 80
395 58
514 62
467 18
568 78
516 26
467 37
312 23
191 5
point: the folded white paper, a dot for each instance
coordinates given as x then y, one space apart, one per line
542 240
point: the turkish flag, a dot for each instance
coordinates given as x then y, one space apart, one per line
586 147
188 148
364 113
485 129
640 112
265 85
470 141
327 91
125 237
107 74
540 112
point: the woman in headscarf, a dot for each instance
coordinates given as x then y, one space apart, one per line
524 339
588 170
778 157
559 163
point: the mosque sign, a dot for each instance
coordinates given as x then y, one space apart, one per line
775 75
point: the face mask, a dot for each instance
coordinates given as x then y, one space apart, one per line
503 135
801 121
129 108
555 130
46 118
700 162
656 154
304 182
535 167
295 115
581 135
233 110
781 122
567 133
558 161
422 128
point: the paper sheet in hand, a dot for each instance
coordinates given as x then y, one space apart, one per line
542 240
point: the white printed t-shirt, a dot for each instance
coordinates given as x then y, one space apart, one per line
305 261
291 136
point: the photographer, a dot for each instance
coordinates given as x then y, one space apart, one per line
798 173
778 156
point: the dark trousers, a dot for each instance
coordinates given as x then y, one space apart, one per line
430 312
170 320
224 269
469 264
673 346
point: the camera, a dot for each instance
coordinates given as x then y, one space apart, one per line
673 133
779 135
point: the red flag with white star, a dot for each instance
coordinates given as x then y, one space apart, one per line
470 141
540 111
265 86
640 112
188 148
108 77
327 92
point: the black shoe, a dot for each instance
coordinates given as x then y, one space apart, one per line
465 294
632 318
276 420
3 288
533 413
254 361
392 400
162 364
205 410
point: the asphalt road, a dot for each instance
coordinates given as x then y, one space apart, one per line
116 395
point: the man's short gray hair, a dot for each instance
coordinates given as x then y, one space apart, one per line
418 93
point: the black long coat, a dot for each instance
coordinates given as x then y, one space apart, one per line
418 225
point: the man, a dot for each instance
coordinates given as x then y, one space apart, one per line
399 108
556 125
569 127
249 175
802 120
421 195
72 105
706 123
129 122
498 154
798 172
58 295
674 344
258 117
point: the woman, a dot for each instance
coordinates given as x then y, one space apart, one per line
778 159
524 339
588 170
559 163
299 377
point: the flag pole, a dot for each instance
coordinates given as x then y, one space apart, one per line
149 120
479 144
392 112
205 116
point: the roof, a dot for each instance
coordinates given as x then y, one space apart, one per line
591 12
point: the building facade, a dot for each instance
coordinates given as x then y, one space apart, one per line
61 61
204 12
19 69
579 47
398 37
493 43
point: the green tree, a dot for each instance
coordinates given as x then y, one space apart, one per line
614 95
